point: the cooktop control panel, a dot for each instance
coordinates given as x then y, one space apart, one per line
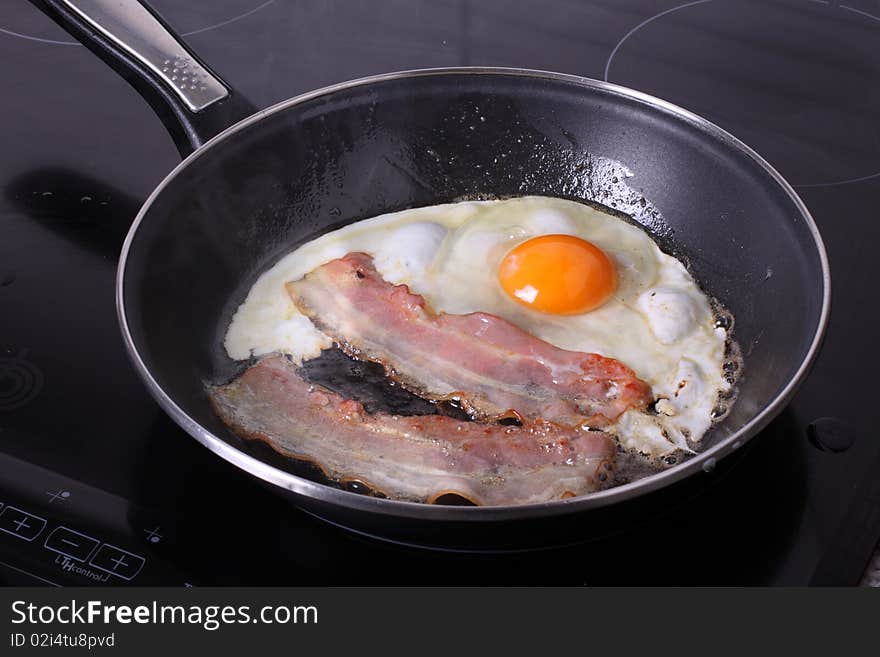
49 534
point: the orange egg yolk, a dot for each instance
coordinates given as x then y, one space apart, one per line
558 274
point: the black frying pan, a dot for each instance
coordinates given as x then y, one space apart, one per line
247 194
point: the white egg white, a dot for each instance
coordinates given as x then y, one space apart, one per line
658 322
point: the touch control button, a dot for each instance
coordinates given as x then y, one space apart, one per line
70 543
18 523
829 434
117 562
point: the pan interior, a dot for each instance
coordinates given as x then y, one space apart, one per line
363 150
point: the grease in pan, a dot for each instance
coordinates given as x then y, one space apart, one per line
652 318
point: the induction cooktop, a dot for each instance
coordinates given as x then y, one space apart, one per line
98 486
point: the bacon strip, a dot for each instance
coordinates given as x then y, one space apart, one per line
413 458
490 366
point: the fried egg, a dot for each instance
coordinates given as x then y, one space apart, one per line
526 260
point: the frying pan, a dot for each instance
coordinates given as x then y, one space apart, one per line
253 185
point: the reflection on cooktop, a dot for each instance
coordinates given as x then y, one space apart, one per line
795 80
188 19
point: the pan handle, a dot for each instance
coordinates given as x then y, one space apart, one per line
192 101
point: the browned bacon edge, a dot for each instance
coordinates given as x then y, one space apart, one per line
488 365
418 458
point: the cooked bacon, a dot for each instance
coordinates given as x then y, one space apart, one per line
491 367
416 457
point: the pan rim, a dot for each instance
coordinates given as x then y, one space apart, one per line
416 510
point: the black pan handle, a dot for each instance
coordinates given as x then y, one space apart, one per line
192 101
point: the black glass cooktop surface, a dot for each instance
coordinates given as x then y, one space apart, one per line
99 486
